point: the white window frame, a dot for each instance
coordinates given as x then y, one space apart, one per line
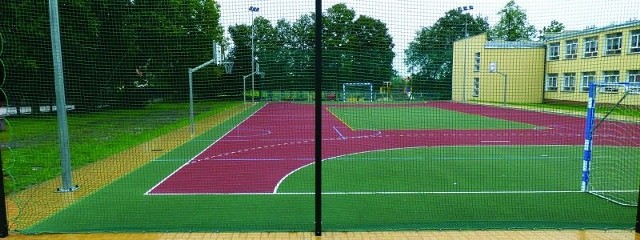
634 77
587 77
634 42
553 51
610 77
591 47
551 84
476 87
613 44
571 49
569 82
476 62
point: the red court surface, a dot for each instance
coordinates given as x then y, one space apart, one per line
279 139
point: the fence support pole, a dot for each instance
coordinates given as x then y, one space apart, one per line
318 117
61 105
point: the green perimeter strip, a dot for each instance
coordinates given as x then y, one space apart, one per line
121 207
127 187
418 118
401 188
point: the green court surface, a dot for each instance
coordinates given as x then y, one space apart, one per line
488 187
415 118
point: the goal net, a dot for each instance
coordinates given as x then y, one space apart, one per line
356 92
612 149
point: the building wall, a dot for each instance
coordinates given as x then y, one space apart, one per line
625 63
462 85
523 67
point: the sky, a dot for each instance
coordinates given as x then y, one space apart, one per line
404 18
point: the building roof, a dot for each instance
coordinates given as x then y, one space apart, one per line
515 44
592 30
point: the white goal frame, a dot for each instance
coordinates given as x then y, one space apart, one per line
345 85
591 124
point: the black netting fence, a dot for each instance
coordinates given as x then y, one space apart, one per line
202 115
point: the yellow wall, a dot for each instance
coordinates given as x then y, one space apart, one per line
461 87
623 63
523 66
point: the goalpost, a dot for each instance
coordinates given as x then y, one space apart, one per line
612 142
357 91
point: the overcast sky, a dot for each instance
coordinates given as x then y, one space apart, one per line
405 17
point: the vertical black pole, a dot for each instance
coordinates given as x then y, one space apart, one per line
318 116
638 214
4 224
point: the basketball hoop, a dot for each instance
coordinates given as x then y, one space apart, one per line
228 67
493 67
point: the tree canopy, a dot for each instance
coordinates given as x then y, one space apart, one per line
430 55
513 24
115 52
357 48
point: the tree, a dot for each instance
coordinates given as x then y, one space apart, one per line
338 42
115 52
430 54
554 27
373 58
513 24
355 50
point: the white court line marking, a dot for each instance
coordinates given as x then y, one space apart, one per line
394 193
495 141
205 149
263 159
339 133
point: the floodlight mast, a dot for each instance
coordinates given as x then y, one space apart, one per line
253 10
464 59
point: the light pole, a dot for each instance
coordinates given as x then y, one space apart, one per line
253 10
464 59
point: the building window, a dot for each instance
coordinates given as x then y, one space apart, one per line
635 42
569 82
591 47
614 44
610 77
476 62
571 50
587 78
554 51
476 87
552 82
634 79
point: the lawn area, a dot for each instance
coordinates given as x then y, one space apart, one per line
412 118
33 153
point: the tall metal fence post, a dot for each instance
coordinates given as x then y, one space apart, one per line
4 223
318 117
61 105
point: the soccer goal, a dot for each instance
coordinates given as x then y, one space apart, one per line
354 92
612 142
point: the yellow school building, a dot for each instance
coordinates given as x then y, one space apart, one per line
557 69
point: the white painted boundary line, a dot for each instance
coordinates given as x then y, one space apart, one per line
205 149
393 193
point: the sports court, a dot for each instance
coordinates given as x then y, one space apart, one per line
523 168
287 119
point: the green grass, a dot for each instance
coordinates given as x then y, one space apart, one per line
411 118
34 154
374 180
581 108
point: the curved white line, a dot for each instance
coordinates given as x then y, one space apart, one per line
275 190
